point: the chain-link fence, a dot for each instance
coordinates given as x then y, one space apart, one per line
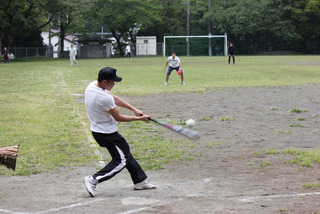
32 52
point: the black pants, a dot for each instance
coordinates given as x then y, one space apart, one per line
128 55
233 59
6 59
121 157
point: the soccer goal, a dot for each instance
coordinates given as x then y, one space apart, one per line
204 45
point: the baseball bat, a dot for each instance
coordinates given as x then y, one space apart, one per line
183 131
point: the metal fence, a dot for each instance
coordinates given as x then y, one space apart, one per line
32 52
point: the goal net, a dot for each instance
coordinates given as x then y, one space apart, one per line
214 45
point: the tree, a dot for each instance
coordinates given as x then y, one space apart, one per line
257 23
70 16
20 19
172 21
306 15
124 18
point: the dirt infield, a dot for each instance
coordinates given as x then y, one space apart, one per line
232 175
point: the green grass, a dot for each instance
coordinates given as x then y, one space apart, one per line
38 111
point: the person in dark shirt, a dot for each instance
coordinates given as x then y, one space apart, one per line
231 53
5 55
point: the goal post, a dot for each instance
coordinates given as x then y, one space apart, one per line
197 44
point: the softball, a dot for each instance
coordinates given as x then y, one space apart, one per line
190 123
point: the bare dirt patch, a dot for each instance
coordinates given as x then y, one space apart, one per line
232 175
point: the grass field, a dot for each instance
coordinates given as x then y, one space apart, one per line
39 112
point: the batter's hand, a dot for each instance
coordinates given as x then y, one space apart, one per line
145 118
138 113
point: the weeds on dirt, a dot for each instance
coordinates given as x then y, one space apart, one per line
265 164
297 125
304 158
274 108
282 210
211 145
227 119
271 151
301 119
312 186
298 110
206 118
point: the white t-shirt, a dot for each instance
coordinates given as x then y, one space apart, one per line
128 49
73 52
174 62
98 102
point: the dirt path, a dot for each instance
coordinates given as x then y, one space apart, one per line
232 175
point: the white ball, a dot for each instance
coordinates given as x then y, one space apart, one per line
190 122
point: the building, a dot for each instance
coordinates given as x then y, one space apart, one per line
95 48
68 41
146 45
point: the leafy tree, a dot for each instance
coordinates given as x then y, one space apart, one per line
256 23
124 18
306 15
70 17
20 19
173 19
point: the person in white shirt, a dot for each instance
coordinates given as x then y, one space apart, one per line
175 64
128 51
101 106
72 54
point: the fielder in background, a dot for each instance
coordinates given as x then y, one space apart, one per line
231 53
72 54
102 111
175 64
128 51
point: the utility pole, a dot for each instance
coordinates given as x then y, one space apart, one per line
210 30
188 27
50 45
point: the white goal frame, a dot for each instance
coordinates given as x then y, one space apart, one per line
199 36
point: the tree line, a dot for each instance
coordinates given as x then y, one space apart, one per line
254 26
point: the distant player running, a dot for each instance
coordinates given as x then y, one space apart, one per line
175 64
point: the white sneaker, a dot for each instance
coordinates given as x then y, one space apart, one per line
144 185
166 83
183 83
90 184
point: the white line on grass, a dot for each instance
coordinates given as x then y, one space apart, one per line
252 199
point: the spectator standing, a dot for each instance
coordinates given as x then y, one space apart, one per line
6 55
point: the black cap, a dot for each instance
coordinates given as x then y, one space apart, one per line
108 73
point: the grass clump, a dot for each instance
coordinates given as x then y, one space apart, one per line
298 110
271 151
297 125
312 186
274 108
304 158
227 119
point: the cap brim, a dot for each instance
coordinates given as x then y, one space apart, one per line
117 79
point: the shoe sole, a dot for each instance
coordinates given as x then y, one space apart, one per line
141 188
85 183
